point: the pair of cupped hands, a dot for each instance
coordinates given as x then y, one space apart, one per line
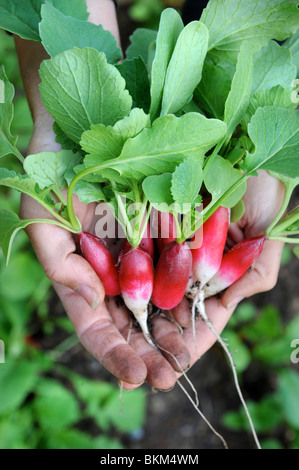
103 325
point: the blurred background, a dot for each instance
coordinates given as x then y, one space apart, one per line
54 395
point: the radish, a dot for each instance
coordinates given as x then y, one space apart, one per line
101 260
136 277
165 229
147 242
172 275
206 258
234 264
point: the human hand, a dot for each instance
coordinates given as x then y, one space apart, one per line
101 324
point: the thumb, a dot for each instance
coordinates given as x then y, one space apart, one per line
262 276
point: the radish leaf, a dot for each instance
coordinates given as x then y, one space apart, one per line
273 66
101 143
185 67
48 168
239 95
168 142
186 181
135 73
75 106
7 141
157 190
227 176
23 16
170 28
140 43
212 91
230 23
275 133
60 33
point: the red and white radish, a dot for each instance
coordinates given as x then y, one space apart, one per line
171 275
234 264
101 260
206 259
136 277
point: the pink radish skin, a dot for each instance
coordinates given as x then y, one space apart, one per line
147 242
171 275
136 277
166 229
101 260
234 264
207 258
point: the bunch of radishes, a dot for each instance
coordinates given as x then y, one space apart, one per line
162 272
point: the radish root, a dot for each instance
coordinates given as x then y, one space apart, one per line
200 306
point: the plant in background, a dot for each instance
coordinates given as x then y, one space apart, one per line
261 337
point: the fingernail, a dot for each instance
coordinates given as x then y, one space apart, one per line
89 295
234 302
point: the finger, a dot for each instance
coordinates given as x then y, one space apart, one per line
170 342
182 313
204 337
160 373
55 249
100 336
262 276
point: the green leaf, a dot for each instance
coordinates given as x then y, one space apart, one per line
238 99
227 176
289 390
185 67
167 143
266 415
293 44
11 224
140 42
48 168
17 379
157 189
75 106
131 125
276 96
16 274
237 211
7 141
212 91
101 143
22 17
60 33
55 406
275 133
230 23
272 66
22 183
135 73
75 8
266 327
132 414
186 181
239 350
170 28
